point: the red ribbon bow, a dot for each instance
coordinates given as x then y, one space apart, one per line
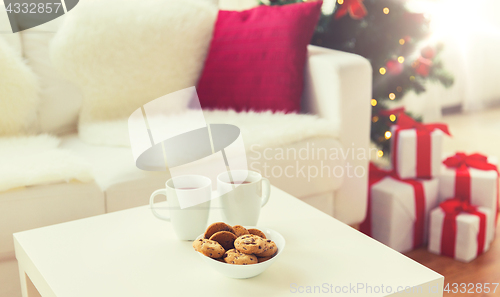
355 8
407 122
452 208
423 149
463 162
375 175
394 111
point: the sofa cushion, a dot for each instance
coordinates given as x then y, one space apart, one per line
257 57
36 160
38 206
304 168
115 173
124 54
127 186
267 129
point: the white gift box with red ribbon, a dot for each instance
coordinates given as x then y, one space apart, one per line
467 229
483 189
407 155
416 147
393 211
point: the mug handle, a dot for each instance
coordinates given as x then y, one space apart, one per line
266 191
152 200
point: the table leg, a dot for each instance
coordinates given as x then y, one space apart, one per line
27 287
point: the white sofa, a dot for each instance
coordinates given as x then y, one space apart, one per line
337 87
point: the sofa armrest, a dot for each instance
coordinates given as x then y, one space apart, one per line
338 87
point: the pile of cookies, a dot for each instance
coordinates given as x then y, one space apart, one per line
235 245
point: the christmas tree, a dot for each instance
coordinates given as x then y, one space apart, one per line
394 40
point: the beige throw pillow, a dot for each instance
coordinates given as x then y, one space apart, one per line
123 54
18 93
60 100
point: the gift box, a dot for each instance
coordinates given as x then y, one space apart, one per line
460 230
473 178
416 148
398 209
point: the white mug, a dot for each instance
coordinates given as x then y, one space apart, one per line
188 222
242 193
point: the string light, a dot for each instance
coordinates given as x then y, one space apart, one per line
382 70
392 117
375 119
340 2
380 153
412 78
392 96
401 41
387 134
401 59
386 10
374 102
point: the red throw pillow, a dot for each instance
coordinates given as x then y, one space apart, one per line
256 58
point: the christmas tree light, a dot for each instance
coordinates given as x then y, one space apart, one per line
395 40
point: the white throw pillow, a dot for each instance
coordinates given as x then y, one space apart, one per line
124 54
18 93
60 100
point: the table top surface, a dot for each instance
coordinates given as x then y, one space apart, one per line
131 253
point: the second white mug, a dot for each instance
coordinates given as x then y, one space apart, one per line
242 193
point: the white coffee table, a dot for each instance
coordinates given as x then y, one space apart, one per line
131 253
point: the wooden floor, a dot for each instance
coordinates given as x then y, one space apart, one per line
477 132
484 269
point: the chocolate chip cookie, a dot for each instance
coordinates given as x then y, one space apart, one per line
217 227
240 230
211 249
197 244
264 259
250 244
224 238
235 257
270 249
257 232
